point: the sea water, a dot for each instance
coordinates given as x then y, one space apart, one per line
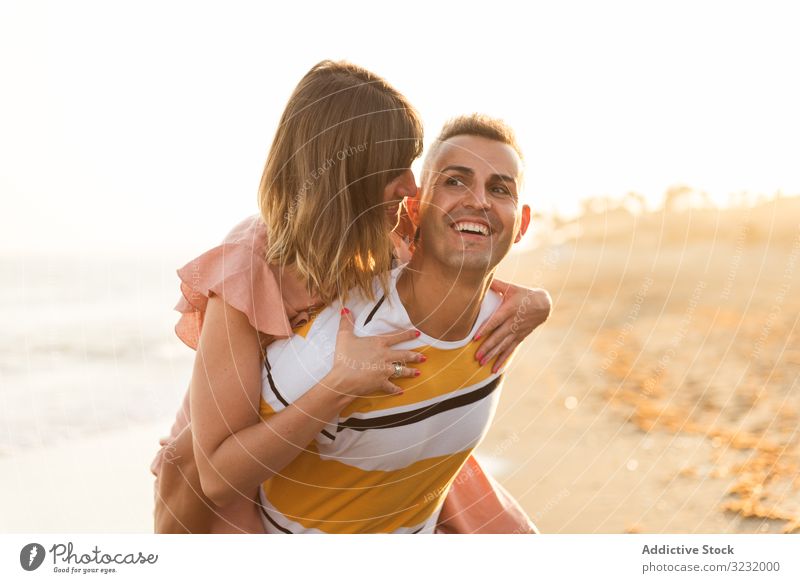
87 346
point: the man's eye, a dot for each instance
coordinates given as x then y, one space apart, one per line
453 181
500 190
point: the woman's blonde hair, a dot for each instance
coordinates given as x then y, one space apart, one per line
344 135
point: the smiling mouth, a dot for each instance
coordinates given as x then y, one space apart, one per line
470 228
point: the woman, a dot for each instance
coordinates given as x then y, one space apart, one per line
337 169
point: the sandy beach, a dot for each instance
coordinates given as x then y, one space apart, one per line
95 484
660 397
663 394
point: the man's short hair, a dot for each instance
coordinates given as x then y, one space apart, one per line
480 125
474 124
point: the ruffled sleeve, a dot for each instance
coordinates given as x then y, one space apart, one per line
273 300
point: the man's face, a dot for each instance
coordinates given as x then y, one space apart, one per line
468 213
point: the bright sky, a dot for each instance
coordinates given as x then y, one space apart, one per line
142 126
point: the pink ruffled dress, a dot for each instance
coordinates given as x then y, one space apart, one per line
237 272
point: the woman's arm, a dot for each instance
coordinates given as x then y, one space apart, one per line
234 448
520 313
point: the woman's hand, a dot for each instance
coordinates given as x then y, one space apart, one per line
363 365
236 449
521 312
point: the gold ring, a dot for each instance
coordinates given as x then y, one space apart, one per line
398 370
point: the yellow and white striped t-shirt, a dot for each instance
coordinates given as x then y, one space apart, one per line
384 465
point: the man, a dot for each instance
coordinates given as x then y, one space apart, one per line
385 462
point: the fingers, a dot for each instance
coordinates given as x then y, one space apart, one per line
346 321
491 342
405 356
507 311
405 372
500 286
391 388
398 337
502 346
490 324
504 356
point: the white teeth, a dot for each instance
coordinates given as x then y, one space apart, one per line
472 228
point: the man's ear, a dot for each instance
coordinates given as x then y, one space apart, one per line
524 222
413 209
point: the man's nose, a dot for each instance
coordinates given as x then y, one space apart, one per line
477 197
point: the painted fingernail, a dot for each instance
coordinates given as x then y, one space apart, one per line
422 358
477 336
479 356
483 362
495 369
417 333
345 311
416 373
